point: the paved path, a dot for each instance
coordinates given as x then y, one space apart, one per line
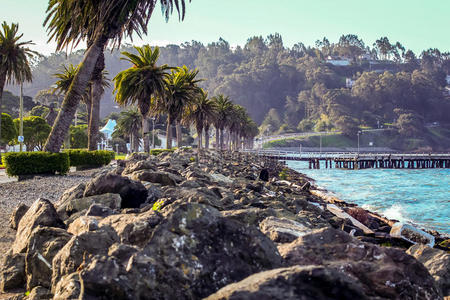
4 178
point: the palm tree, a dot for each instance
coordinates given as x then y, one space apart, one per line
236 124
129 125
65 78
181 89
224 107
138 84
97 86
102 21
14 56
200 112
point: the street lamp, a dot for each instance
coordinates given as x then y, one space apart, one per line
359 132
153 132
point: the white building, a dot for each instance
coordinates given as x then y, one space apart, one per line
338 61
349 83
447 78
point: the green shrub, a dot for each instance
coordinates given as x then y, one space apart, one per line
159 151
29 163
80 157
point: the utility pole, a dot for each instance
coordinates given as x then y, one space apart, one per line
21 139
359 132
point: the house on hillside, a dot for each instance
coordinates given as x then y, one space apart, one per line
338 61
447 78
349 83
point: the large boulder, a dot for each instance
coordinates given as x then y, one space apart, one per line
110 200
383 271
74 192
201 251
298 282
39 293
133 193
42 247
133 229
163 178
12 272
41 213
437 262
68 287
78 249
282 230
134 166
17 214
83 224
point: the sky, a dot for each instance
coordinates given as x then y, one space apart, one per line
417 24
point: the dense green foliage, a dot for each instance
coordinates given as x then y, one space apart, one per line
35 132
29 163
78 136
80 157
8 129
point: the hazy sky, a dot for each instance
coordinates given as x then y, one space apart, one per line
417 24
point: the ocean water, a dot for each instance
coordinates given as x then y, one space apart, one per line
420 197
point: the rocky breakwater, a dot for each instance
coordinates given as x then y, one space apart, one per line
188 226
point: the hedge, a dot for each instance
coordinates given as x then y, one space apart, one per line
96 158
29 163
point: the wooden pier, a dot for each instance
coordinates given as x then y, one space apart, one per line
351 160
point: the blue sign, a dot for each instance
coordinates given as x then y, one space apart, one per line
20 138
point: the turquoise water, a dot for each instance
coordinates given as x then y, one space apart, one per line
420 197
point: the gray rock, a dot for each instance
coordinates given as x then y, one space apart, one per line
201 252
42 247
113 201
39 293
74 192
79 247
17 214
282 230
308 282
12 272
133 229
383 271
83 224
138 166
41 213
437 263
99 210
68 287
133 193
163 178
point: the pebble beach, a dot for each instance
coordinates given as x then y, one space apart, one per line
26 192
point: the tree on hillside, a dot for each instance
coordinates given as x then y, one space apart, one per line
138 84
78 136
14 59
71 21
35 132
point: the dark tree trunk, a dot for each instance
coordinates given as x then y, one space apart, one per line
2 85
96 95
221 138
179 133
145 134
217 137
169 133
207 136
74 95
200 136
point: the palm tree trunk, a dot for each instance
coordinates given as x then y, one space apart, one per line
217 137
145 134
200 136
74 95
96 95
207 136
169 133
179 134
2 85
221 139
